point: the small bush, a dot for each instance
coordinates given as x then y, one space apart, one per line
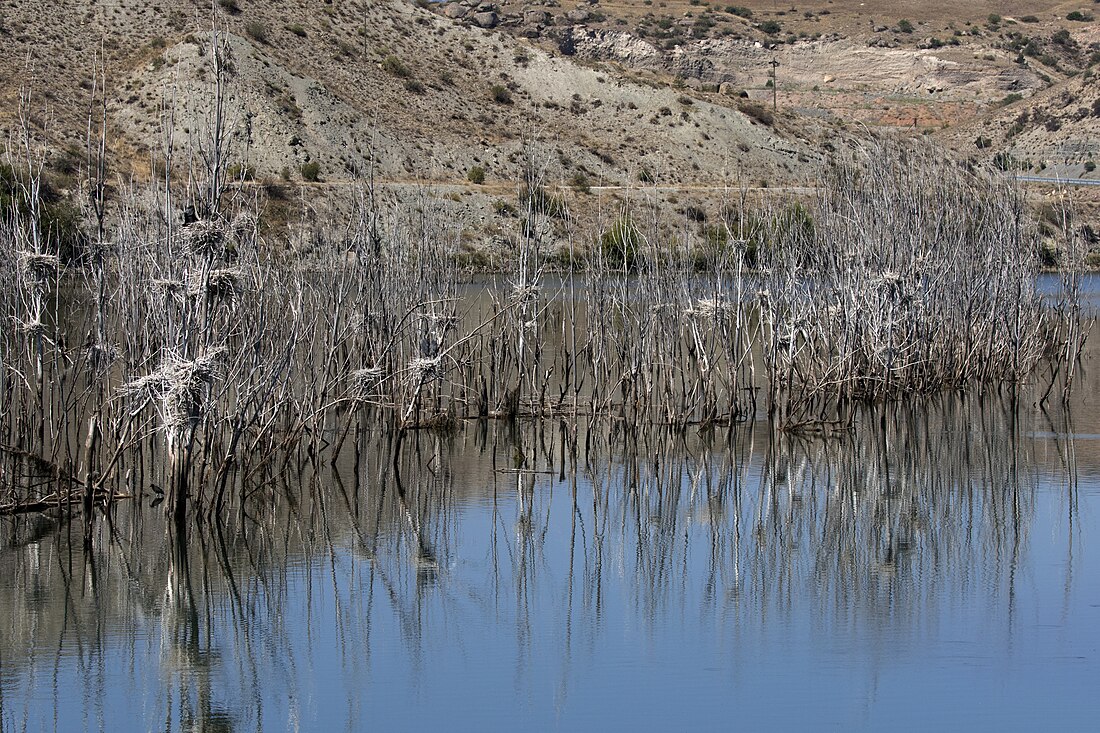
542 203
1029 19
580 184
500 94
905 26
621 244
311 171
1005 162
230 6
393 65
794 221
1010 99
758 112
695 213
476 175
1090 166
58 219
739 11
414 86
297 29
240 172
1079 16
771 27
716 236
256 31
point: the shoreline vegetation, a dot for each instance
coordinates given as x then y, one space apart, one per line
190 358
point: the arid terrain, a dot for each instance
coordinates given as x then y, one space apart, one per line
689 99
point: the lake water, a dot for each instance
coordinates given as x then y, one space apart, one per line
936 569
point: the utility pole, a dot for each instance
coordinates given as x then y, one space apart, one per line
775 85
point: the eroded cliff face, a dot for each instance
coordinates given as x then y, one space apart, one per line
831 63
610 45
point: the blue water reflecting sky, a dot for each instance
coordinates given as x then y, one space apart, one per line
943 576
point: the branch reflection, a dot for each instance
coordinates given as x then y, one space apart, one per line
523 550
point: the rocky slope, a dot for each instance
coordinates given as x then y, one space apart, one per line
420 96
620 94
927 65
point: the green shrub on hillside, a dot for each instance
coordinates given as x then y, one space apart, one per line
541 202
758 112
393 65
57 219
621 244
256 31
240 172
311 171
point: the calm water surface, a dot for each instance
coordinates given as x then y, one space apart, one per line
939 568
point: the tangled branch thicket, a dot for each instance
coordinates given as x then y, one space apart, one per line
912 275
199 358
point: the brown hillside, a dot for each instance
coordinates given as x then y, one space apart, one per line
343 83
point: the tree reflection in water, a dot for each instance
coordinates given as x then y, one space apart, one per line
523 548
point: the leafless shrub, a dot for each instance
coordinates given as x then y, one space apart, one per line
909 274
